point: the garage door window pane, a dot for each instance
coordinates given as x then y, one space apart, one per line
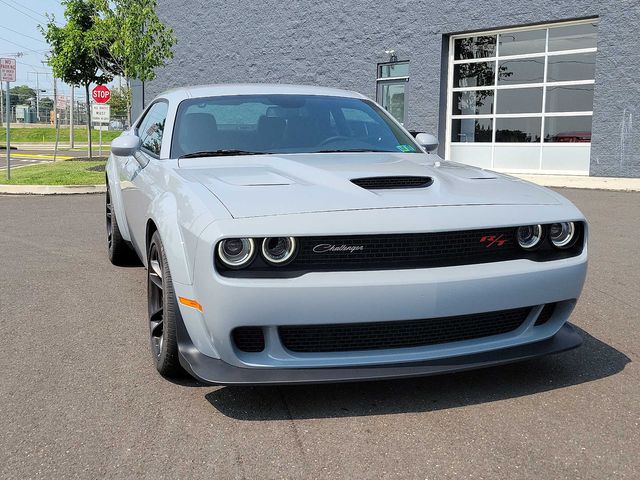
520 100
570 98
522 130
518 43
567 129
471 130
475 47
572 37
473 103
525 70
579 66
476 74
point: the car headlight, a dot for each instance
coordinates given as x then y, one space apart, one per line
562 234
236 252
278 250
529 236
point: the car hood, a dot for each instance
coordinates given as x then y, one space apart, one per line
261 185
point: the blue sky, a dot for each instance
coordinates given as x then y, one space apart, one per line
19 20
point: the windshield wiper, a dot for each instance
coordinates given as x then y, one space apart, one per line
350 150
220 153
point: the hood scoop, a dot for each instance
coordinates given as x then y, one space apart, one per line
390 183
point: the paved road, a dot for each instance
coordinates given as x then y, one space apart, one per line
79 397
21 157
21 160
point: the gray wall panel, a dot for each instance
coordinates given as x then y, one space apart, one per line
338 44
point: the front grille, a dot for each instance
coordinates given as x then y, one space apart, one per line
248 339
382 183
419 250
405 251
345 337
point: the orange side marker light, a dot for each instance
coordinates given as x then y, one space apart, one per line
190 303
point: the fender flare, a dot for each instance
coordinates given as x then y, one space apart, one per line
163 212
113 184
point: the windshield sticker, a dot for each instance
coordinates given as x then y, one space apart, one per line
405 148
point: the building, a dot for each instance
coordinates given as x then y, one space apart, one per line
542 87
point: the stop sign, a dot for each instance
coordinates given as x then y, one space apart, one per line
101 94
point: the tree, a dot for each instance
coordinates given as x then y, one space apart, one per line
120 101
139 41
78 46
22 94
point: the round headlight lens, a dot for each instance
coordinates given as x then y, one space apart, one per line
236 252
278 250
529 236
562 234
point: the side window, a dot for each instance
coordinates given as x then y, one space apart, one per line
152 127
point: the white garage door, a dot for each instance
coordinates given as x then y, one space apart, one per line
521 100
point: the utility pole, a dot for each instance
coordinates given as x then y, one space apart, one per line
38 91
71 119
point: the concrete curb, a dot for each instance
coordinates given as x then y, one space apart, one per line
51 189
590 183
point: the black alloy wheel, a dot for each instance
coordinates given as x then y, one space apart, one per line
163 311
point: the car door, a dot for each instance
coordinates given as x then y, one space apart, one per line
139 188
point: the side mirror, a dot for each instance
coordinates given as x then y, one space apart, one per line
125 145
427 141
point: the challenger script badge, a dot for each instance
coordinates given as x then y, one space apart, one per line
327 247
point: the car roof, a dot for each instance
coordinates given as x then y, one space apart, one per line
201 91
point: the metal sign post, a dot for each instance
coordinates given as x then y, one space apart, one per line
8 143
8 74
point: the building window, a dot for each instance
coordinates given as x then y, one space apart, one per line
391 87
522 99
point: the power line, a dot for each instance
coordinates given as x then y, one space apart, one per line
23 34
33 66
39 52
20 11
27 8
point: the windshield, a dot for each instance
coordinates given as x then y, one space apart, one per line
284 124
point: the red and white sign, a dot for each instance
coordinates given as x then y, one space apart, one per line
7 69
101 94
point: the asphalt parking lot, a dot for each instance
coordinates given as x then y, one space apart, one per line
80 398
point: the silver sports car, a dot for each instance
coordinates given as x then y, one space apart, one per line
297 234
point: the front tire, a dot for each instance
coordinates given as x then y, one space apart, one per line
163 311
120 253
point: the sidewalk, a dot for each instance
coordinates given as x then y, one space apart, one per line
593 183
61 146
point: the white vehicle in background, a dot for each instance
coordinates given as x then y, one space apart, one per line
297 234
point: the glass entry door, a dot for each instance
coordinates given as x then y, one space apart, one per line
391 96
391 88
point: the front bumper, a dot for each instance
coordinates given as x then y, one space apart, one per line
367 296
217 372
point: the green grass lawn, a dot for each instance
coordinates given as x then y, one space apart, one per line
67 172
48 135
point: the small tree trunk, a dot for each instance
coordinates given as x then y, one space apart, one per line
128 103
86 91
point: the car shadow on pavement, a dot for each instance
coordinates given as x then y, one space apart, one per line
592 361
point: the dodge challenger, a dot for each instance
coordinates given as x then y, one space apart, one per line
296 234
